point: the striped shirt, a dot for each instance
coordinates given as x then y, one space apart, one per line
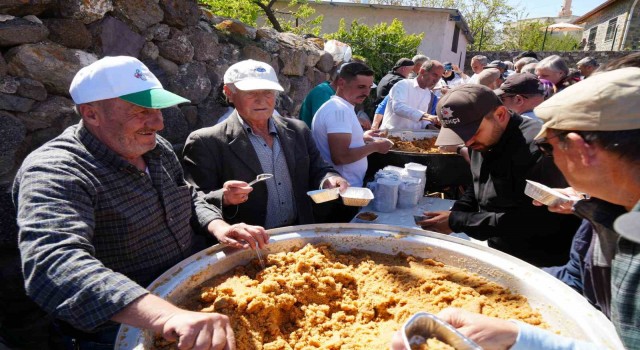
94 229
281 210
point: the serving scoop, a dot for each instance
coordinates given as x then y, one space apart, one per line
261 177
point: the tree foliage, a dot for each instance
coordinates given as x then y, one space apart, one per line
529 35
381 45
298 17
484 17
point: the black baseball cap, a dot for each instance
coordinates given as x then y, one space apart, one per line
521 84
461 110
403 62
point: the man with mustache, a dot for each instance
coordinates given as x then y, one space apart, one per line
103 210
336 130
411 103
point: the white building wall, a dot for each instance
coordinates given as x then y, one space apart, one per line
437 29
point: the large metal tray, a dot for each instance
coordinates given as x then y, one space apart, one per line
565 310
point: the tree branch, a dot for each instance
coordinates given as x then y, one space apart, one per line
271 16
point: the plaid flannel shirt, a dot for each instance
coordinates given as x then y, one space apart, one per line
94 229
625 290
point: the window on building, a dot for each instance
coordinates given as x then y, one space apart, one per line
611 29
592 35
456 36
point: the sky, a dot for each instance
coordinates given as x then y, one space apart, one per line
550 8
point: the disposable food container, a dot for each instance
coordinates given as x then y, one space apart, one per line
321 196
356 196
545 195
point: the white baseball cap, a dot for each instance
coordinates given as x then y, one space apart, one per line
121 77
250 75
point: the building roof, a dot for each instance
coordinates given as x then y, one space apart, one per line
462 23
585 17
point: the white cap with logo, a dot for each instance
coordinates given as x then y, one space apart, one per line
250 75
121 77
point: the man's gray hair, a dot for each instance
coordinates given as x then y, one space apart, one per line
555 63
483 60
419 59
588 61
529 68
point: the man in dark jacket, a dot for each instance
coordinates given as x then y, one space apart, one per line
221 160
400 71
502 157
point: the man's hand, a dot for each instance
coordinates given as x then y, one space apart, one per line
564 208
370 134
489 332
239 235
235 192
336 181
192 330
383 145
198 330
430 118
438 221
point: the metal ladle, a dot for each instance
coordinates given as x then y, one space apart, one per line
261 177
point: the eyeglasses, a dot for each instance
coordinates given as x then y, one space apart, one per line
545 147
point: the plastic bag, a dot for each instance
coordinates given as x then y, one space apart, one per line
340 51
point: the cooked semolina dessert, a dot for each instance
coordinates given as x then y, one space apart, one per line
415 146
318 298
433 344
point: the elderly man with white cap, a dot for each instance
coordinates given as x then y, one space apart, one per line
222 159
103 209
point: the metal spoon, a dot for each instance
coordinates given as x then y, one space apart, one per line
261 177
258 253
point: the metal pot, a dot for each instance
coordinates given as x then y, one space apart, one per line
563 309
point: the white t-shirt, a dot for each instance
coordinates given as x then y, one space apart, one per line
407 103
337 116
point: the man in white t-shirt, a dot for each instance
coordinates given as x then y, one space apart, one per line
336 130
411 103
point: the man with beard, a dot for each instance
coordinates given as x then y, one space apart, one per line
502 157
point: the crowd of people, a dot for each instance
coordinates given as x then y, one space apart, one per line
107 206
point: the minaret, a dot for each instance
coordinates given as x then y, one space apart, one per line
566 9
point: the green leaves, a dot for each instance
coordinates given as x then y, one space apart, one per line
381 45
297 17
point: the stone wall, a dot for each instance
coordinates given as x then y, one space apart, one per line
43 43
572 57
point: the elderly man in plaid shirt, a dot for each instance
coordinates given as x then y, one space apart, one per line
103 209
